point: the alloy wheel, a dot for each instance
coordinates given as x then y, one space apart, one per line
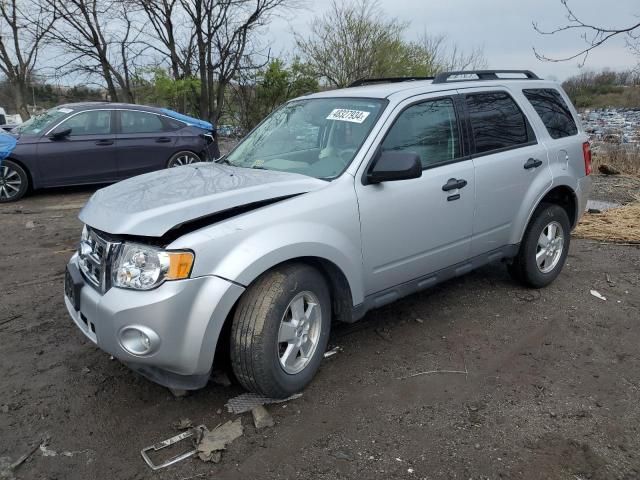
550 247
299 332
10 182
185 159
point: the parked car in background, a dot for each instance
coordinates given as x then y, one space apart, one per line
85 143
337 203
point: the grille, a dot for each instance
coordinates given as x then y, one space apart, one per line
95 257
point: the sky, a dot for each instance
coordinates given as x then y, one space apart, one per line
502 27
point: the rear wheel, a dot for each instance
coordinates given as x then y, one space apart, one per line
14 181
280 331
544 247
183 158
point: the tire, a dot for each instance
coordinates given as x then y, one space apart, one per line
264 315
532 266
14 181
184 157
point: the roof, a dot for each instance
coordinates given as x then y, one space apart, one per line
115 105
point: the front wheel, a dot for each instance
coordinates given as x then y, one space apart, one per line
544 247
14 181
280 331
183 158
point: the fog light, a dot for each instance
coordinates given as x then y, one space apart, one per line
139 340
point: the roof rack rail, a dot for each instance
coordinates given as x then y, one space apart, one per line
369 81
484 75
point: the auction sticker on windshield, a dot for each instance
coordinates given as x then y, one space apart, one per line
346 115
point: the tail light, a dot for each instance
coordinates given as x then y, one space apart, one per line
586 152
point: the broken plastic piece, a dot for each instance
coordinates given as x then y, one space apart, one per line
597 294
332 352
171 441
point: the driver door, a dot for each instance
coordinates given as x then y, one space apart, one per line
412 229
86 155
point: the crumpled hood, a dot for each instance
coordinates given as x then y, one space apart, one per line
154 203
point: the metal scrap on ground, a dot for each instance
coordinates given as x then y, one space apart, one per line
248 401
332 352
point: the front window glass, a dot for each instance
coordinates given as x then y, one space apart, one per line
39 123
91 122
427 129
315 137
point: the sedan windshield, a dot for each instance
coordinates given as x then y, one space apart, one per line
37 124
315 137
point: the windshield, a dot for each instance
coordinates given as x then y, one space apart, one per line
37 124
316 137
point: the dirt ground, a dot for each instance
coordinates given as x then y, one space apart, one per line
551 389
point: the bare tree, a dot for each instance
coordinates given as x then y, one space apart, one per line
224 33
27 24
356 39
99 40
593 35
349 41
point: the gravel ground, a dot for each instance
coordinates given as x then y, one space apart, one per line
550 390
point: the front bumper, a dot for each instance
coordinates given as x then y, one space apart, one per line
187 316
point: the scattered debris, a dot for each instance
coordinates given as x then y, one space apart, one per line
176 392
410 470
248 401
383 334
197 431
220 378
183 424
597 294
419 320
593 211
609 281
30 225
213 442
47 452
607 169
430 372
7 469
86 370
261 417
332 352
340 455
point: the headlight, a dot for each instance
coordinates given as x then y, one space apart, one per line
142 267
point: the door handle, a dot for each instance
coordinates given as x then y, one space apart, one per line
532 163
453 184
104 142
163 140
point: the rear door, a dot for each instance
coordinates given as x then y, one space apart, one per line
86 155
511 166
412 228
146 141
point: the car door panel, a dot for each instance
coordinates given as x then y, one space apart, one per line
86 155
511 167
412 228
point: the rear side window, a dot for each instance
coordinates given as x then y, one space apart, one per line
497 122
553 111
140 122
428 129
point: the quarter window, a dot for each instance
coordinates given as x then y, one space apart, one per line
553 111
497 122
91 122
140 122
428 129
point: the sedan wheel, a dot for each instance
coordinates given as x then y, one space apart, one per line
13 181
183 158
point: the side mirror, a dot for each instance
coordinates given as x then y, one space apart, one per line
60 134
392 166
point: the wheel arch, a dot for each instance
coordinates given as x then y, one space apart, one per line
562 195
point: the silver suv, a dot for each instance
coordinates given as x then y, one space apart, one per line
337 203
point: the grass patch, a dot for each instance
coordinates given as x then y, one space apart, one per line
618 225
